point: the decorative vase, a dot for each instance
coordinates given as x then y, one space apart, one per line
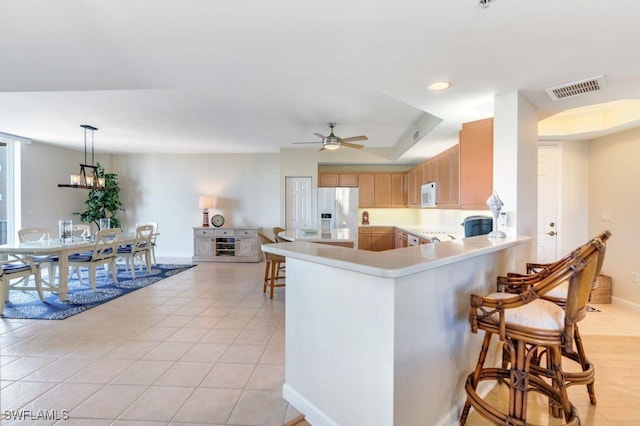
495 204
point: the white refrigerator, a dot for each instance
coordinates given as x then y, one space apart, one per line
338 208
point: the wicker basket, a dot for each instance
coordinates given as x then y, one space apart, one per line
601 292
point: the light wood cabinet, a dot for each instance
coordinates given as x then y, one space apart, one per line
476 163
350 180
376 238
337 179
401 239
366 190
447 166
398 190
382 190
413 188
226 245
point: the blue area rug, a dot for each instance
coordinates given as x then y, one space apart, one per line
27 304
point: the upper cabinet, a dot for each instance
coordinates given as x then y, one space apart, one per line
476 163
337 179
382 189
448 181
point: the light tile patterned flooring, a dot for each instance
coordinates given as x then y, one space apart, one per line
207 347
202 347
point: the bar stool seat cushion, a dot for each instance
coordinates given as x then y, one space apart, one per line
540 314
15 267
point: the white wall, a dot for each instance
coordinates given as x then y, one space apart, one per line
43 168
614 187
164 188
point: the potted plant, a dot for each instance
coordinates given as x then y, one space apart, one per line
105 202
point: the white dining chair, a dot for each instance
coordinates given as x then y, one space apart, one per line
102 253
33 235
153 239
82 230
19 268
140 248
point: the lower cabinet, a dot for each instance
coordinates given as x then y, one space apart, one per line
376 238
401 239
226 245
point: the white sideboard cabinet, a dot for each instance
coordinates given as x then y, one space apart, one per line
226 245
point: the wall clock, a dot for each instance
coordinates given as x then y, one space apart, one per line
217 220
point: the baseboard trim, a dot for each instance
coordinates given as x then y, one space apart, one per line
625 303
312 413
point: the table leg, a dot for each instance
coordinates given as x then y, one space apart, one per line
63 276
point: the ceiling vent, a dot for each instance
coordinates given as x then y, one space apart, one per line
594 84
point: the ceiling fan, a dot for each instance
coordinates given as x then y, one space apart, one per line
333 142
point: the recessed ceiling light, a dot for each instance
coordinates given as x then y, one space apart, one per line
439 85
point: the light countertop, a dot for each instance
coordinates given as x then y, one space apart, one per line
394 263
319 236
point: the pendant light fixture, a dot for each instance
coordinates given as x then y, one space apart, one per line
88 177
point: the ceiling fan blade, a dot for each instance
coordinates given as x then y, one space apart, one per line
319 135
322 149
355 139
301 143
352 145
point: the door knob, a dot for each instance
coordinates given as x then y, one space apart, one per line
552 233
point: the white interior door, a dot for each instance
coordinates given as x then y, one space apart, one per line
298 203
548 197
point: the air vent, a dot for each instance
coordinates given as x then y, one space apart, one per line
594 84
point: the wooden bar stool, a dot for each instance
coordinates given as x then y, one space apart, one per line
274 268
517 283
529 326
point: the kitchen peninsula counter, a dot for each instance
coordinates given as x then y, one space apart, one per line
382 338
342 237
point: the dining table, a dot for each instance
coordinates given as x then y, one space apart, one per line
57 248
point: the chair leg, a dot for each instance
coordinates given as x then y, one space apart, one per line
147 259
3 294
114 270
272 282
555 356
584 363
476 375
267 266
92 276
519 382
38 282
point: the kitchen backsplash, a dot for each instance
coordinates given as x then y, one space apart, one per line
433 219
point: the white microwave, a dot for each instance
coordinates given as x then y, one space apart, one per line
428 194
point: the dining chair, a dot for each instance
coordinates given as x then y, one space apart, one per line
153 239
33 235
140 248
82 230
274 268
21 268
102 253
276 231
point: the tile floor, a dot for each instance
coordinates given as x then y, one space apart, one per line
202 347
207 347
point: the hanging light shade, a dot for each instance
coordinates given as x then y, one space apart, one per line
88 177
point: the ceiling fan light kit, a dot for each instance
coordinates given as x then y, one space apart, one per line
333 142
